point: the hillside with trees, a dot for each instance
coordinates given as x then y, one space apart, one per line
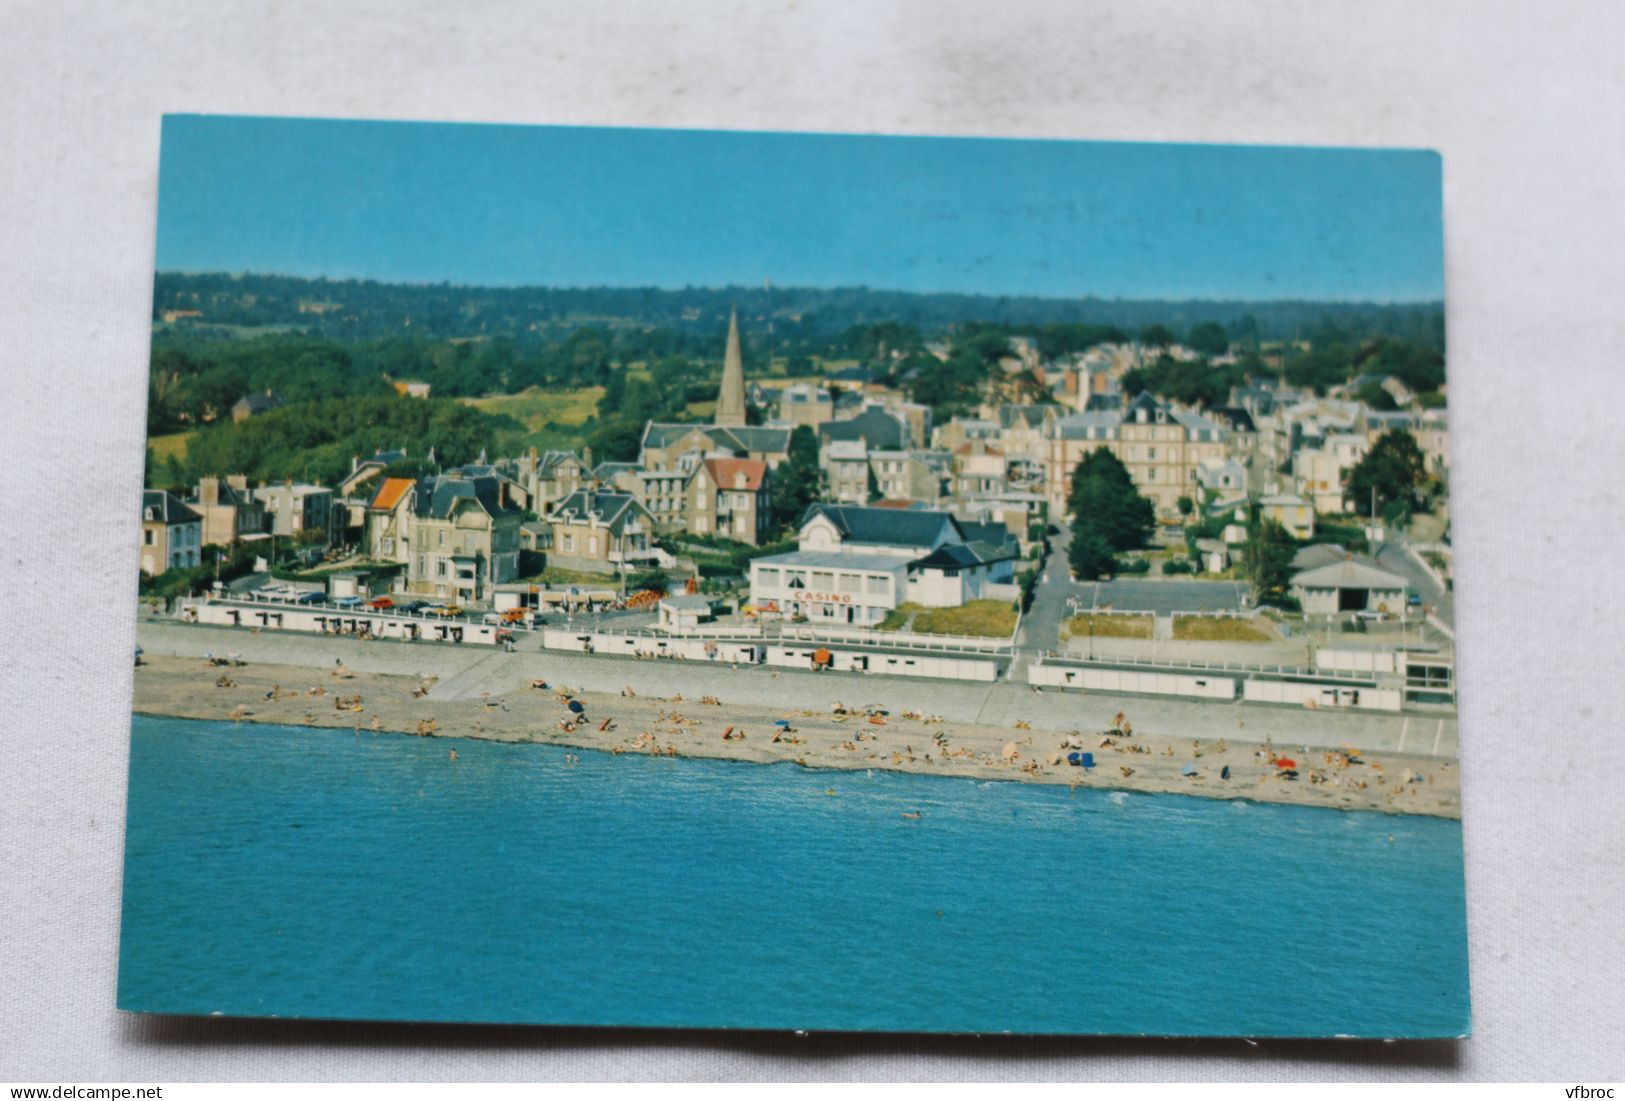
800 317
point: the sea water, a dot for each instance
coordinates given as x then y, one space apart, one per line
318 873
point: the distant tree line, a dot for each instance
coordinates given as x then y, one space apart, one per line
349 310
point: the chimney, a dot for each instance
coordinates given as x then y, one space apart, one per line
208 490
238 482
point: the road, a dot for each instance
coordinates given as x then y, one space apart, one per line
1041 626
1394 557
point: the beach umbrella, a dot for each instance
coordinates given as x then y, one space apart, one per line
1088 760
577 706
1188 770
1285 762
782 722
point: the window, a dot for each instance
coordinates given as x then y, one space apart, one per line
442 538
569 543
766 576
851 583
877 584
823 580
440 567
592 544
150 537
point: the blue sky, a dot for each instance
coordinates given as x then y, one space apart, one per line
563 206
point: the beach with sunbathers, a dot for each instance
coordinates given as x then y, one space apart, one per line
848 734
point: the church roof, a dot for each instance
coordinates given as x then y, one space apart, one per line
731 395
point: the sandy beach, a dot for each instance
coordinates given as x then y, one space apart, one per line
704 726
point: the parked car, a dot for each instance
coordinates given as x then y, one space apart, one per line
411 606
313 597
1371 616
381 603
1414 600
347 602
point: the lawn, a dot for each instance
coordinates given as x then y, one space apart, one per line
983 618
1106 626
165 446
1208 629
551 418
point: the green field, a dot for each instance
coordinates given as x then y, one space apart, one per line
534 408
165 446
1204 629
983 618
1106 626
551 418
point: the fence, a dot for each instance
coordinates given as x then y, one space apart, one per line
908 640
1062 657
1358 661
717 630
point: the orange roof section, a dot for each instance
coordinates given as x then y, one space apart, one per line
390 493
725 472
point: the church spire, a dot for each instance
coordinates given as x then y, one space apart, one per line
731 399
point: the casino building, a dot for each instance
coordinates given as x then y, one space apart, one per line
855 564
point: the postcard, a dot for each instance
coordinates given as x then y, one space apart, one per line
715 580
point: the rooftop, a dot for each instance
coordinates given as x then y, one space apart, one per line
819 560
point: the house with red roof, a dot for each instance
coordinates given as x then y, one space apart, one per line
730 497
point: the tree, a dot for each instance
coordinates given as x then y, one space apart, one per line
1393 470
1209 338
1089 555
614 395
1103 498
1186 505
795 483
1157 336
617 441
1377 398
1266 557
